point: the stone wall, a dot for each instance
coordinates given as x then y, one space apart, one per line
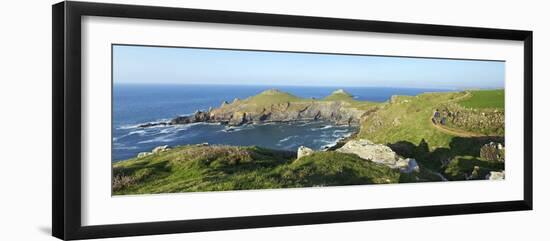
486 121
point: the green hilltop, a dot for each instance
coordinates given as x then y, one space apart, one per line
272 96
340 95
485 99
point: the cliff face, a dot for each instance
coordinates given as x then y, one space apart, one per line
277 106
337 112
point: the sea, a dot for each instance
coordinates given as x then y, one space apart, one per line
135 104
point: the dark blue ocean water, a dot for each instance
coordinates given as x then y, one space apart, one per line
137 104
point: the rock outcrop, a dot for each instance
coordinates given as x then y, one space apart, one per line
380 154
496 175
276 106
304 151
160 149
491 120
143 154
337 112
407 165
492 152
198 116
155 150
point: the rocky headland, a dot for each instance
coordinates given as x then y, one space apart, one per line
276 106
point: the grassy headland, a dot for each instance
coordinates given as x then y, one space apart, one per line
404 123
218 168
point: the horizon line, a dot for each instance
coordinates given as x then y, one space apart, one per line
313 86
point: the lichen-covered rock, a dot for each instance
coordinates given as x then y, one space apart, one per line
198 116
496 175
474 120
407 165
369 151
143 154
160 149
304 151
492 152
237 119
379 153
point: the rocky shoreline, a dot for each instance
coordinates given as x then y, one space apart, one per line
254 111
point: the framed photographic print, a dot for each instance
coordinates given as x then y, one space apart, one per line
170 120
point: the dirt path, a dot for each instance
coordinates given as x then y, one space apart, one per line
455 132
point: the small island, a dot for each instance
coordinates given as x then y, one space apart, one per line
276 106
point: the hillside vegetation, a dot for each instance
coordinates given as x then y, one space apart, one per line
481 99
464 142
405 124
217 168
270 97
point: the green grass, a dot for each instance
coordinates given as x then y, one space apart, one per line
221 168
345 97
272 96
484 99
340 95
268 98
336 169
462 166
407 118
404 124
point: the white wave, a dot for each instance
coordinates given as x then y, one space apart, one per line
266 124
329 144
211 123
158 139
342 134
126 127
322 141
139 132
177 128
287 139
340 131
134 126
125 147
322 128
236 129
173 129
167 131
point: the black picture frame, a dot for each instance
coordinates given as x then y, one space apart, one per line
66 75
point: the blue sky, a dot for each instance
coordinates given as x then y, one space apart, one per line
164 65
